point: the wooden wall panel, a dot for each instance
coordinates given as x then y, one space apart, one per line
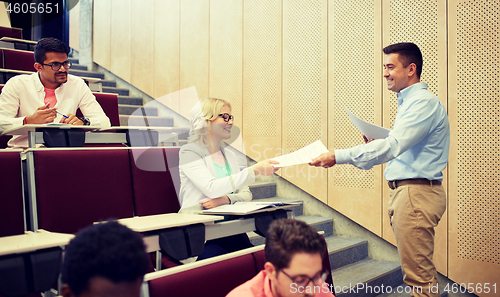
226 58
305 68
406 21
102 33
474 180
142 45
354 81
166 47
194 50
121 38
262 78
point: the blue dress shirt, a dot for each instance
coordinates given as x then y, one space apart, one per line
418 144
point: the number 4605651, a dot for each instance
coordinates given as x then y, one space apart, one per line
33 8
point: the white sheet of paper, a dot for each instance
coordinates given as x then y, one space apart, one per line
370 130
303 155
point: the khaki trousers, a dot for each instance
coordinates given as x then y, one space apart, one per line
414 212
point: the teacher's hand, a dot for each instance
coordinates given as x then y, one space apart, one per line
211 203
324 160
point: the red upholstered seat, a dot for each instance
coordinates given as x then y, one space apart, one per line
11 32
216 279
18 60
11 194
109 103
76 188
155 176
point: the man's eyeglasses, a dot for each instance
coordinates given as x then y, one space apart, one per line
56 66
304 280
227 117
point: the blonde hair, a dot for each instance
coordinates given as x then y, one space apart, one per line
208 109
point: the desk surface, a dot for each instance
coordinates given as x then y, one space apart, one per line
32 241
23 130
10 39
169 220
16 71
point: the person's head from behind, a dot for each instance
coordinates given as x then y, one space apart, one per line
402 65
294 258
211 118
106 259
51 62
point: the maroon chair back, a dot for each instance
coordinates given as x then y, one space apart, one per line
18 60
109 103
218 279
11 32
154 176
75 188
11 194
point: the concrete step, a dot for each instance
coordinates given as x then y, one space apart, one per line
119 91
404 290
87 73
263 190
108 83
74 60
128 100
366 278
134 109
345 250
319 223
126 120
78 67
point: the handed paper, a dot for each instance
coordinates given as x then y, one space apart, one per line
303 155
370 130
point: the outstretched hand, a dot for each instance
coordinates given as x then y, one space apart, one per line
324 160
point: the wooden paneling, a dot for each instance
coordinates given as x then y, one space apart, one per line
405 21
121 38
305 69
102 33
262 78
166 47
474 210
194 51
354 82
142 45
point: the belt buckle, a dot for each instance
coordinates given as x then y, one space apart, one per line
392 185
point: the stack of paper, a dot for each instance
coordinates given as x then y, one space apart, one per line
242 208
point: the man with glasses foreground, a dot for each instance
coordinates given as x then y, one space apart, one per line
293 264
50 95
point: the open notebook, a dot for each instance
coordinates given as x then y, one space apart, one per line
243 208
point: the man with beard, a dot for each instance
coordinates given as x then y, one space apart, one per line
50 95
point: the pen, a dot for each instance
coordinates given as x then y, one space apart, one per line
59 113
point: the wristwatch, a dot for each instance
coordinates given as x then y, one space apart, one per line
86 121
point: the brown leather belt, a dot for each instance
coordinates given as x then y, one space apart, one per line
393 184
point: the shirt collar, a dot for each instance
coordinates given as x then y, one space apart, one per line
408 91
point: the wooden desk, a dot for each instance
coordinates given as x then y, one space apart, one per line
32 241
168 220
14 40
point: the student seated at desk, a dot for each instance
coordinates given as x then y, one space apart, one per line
294 264
106 259
50 95
209 172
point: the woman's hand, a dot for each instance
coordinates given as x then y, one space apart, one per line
265 167
208 203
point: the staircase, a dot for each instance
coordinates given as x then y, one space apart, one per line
354 273
130 108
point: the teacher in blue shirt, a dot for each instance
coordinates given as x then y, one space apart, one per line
416 152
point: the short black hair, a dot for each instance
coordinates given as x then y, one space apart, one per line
408 53
287 237
108 250
48 45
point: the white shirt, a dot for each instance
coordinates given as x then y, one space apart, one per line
23 94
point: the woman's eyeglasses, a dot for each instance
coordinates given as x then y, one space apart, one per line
227 117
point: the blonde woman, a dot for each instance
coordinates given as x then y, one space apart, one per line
209 172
